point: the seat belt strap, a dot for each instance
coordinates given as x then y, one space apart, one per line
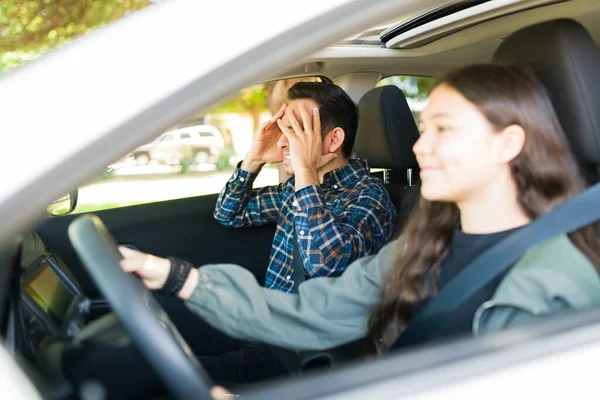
297 263
572 215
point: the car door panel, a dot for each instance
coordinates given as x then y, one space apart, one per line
183 228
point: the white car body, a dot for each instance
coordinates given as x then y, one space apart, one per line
203 143
131 101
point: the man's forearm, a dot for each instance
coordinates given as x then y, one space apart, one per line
251 165
232 203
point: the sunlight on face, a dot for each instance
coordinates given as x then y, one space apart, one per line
456 150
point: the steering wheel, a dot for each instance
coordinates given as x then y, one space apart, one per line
141 315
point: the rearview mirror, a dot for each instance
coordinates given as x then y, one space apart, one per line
63 205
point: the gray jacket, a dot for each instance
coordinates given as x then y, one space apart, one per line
328 312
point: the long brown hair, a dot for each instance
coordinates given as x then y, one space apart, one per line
546 174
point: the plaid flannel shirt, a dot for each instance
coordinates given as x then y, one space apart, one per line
350 215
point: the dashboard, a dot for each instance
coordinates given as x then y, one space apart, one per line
52 305
70 339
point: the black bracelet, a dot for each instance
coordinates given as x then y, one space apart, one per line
170 281
184 268
178 274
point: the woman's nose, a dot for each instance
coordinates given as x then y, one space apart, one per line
423 145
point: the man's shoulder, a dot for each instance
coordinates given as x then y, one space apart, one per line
370 184
369 191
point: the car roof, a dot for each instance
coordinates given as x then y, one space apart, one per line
195 128
471 37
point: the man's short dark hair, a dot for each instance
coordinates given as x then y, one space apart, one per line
336 109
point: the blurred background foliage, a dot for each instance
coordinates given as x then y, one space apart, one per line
30 28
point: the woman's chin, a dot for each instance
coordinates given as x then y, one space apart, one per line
435 194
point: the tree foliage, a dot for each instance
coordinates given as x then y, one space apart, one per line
246 100
251 100
29 28
414 87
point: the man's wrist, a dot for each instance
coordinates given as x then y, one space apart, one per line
251 165
306 177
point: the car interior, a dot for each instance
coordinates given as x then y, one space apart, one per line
54 315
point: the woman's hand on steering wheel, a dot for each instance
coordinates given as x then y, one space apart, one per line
220 393
151 269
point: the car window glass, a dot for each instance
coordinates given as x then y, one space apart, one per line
220 138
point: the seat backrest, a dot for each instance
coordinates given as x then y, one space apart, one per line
386 135
566 59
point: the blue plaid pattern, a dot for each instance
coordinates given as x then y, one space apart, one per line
350 215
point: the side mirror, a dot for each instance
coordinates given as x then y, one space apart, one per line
63 205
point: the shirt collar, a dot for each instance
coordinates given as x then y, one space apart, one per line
346 175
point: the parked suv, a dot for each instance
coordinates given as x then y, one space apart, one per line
202 143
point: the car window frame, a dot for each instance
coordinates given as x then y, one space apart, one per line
419 369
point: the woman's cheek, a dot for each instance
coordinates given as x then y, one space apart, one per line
453 153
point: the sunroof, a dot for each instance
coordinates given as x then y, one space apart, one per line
371 36
428 16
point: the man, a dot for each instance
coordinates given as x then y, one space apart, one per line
337 211
332 205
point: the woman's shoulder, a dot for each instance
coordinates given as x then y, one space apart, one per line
555 269
552 277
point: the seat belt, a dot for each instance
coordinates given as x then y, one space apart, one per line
297 262
292 360
574 214
305 359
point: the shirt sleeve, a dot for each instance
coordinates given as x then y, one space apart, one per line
331 241
325 312
239 206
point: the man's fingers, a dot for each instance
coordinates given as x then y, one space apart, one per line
281 111
306 121
262 127
316 121
295 125
279 114
286 131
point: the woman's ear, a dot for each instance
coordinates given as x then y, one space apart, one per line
334 140
512 139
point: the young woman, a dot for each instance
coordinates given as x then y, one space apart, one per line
493 158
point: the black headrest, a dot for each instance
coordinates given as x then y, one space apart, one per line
386 129
568 62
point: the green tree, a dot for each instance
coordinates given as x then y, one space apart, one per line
250 101
415 87
31 27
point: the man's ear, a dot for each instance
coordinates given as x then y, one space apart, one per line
512 140
334 140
